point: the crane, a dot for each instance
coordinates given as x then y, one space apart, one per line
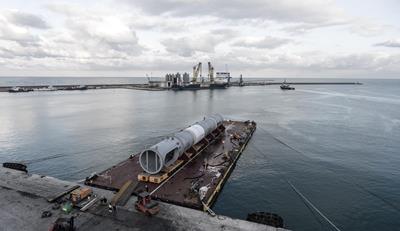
197 70
210 72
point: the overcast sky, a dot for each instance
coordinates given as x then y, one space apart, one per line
258 38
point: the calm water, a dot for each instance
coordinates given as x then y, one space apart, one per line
339 145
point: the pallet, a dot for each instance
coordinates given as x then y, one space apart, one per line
158 178
143 176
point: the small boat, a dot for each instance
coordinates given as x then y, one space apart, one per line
19 89
49 88
80 87
15 89
286 86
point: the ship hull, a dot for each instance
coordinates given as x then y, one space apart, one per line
218 86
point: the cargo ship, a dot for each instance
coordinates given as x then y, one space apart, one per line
221 80
183 81
192 86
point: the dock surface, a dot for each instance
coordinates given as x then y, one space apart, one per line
24 198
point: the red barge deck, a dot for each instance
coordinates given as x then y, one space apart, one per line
205 168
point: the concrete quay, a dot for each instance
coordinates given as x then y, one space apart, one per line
25 196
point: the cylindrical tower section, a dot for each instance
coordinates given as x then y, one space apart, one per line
166 152
208 124
218 118
197 131
186 138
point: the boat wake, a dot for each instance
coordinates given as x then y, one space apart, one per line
379 99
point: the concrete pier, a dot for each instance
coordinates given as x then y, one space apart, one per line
24 197
147 87
90 87
266 83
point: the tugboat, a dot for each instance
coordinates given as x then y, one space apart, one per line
286 86
82 87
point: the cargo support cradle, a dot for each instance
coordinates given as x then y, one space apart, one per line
159 178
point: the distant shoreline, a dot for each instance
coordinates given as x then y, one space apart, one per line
147 87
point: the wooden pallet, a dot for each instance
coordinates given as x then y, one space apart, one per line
143 176
158 178
163 175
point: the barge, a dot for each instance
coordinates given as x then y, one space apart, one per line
191 177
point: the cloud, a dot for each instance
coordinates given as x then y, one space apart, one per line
309 63
11 32
368 27
262 43
97 34
69 10
26 20
188 46
86 40
172 35
27 53
301 28
284 10
389 43
104 33
206 42
296 16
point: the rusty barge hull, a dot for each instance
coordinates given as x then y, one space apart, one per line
205 168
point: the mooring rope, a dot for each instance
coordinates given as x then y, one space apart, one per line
312 206
348 181
307 202
285 144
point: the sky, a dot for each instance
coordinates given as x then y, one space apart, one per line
256 38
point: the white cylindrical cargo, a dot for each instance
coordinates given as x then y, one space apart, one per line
186 138
197 131
166 152
208 124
